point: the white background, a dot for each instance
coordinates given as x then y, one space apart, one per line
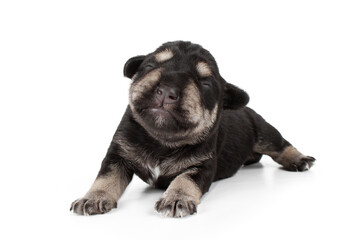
62 94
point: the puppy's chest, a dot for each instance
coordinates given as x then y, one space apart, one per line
151 165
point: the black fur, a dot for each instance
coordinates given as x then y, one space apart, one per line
237 136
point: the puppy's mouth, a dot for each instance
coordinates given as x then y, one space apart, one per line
159 111
163 116
160 117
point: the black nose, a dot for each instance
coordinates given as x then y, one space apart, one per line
167 94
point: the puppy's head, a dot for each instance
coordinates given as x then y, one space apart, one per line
177 93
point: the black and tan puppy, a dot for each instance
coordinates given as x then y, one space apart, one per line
184 128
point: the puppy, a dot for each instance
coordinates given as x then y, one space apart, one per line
184 128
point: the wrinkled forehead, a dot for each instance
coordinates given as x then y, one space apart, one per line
187 58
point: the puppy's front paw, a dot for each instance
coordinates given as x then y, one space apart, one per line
304 164
176 205
93 203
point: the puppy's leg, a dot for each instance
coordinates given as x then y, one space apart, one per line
184 193
270 142
109 185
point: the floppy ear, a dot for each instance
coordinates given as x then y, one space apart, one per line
132 65
234 97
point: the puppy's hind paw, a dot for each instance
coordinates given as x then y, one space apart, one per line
303 164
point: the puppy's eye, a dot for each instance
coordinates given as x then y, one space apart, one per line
205 83
149 66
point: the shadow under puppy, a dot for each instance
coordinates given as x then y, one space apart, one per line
184 128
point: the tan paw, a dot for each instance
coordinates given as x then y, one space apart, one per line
93 203
303 164
176 205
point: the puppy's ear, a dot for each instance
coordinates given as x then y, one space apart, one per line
234 97
132 65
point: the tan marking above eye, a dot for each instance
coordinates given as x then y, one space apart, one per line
203 69
164 55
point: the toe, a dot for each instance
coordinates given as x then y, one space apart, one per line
78 205
106 205
91 207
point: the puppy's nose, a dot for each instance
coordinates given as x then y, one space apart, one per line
167 94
